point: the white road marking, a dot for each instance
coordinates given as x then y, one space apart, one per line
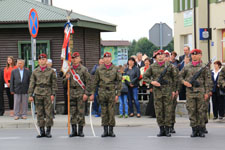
9 138
65 137
169 137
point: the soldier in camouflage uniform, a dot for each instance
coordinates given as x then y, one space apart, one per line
109 80
78 95
43 87
163 93
174 100
197 97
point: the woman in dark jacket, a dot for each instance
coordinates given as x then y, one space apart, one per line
134 73
217 99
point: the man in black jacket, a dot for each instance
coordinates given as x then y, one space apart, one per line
2 110
19 84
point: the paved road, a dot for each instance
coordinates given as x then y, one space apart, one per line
128 138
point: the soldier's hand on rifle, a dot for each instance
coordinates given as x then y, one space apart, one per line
31 99
155 83
52 98
187 84
67 76
85 97
206 96
116 99
92 97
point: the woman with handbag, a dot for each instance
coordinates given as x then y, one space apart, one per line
124 93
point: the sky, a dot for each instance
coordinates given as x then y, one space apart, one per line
133 18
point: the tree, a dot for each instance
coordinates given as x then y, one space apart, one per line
144 46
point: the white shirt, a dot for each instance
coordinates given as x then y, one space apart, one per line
216 73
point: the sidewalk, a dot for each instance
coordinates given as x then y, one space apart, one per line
60 121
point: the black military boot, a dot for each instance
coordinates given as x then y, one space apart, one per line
161 132
80 131
201 132
74 130
42 132
167 131
105 133
194 132
172 130
111 133
205 130
48 132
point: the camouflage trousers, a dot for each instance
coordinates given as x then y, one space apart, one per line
107 102
174 105
44 108
206 108
163 110
77 107
196 110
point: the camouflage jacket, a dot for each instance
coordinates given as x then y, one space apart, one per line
153 73
75 89
204 79
221 79
43 83
108 79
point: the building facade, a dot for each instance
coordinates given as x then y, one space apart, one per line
15 39
118 49
191 18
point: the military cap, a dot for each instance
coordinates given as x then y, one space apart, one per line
107 54
196 51
42 56
158 52
167 53
75 54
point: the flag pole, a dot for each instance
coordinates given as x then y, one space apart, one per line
68 96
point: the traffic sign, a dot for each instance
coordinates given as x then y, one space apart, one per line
33 23
160 34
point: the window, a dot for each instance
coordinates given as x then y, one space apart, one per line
181 5
191 3
24 48
186 4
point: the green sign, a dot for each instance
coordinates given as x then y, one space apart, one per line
188 18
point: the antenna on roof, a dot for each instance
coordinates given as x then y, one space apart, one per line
68 14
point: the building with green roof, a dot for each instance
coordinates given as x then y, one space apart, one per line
15 39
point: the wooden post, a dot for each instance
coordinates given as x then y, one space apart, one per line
68 96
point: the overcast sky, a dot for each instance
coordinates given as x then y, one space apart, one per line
133 18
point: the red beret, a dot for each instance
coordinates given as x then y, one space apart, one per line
42 56
159 52
196 51
107 54
76 54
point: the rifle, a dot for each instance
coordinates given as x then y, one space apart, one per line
160 79
194 81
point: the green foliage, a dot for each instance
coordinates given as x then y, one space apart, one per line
144 46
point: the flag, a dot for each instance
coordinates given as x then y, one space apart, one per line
66 54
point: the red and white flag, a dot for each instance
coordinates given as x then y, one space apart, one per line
66 53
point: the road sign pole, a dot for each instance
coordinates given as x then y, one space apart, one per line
33 51
161 35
